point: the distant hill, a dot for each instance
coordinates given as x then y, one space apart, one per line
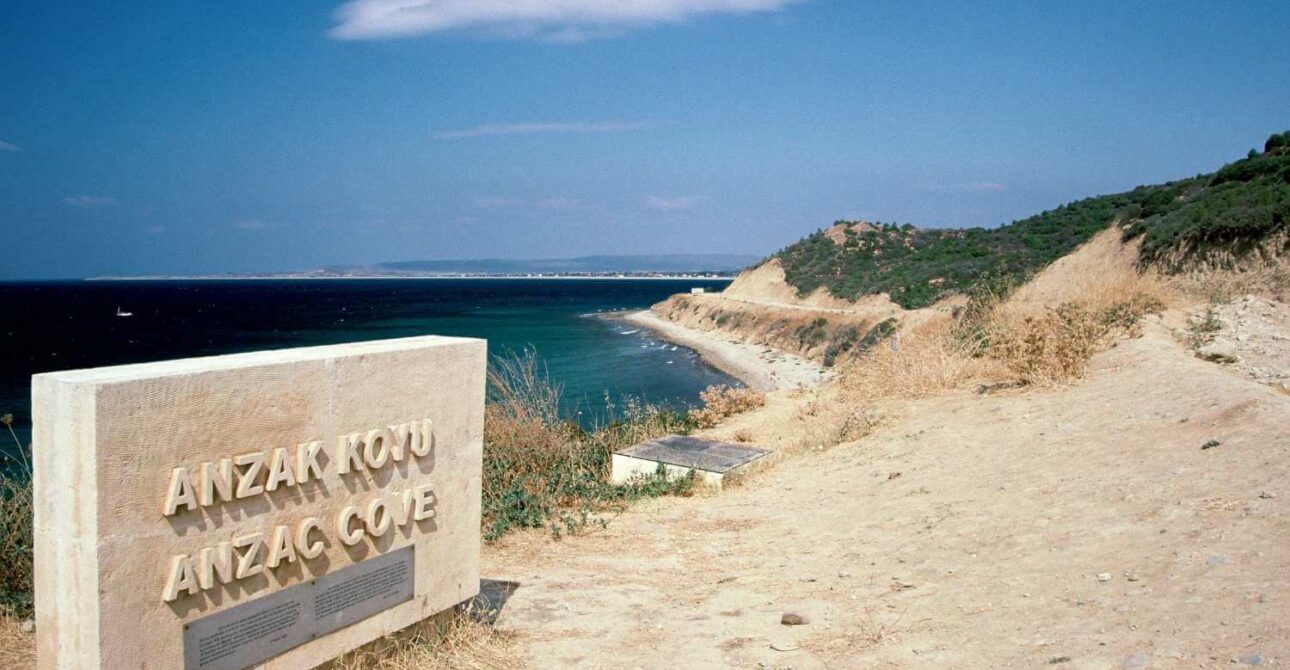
662 263
1242 208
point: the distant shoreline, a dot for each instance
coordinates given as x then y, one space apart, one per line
388 277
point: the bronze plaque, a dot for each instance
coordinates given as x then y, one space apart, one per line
260 629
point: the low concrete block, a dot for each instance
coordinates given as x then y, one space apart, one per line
678 455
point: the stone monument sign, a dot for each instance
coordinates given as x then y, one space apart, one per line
268 510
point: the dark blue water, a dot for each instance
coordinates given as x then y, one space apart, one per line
69 325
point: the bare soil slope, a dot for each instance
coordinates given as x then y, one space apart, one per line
765 285
1137 519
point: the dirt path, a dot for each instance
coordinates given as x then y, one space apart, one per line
1083 527
785 305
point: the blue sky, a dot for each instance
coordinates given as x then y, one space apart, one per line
173 137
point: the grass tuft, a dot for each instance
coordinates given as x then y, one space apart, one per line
543 471
16 508
720 402
457 642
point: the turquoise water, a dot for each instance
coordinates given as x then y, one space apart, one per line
68 325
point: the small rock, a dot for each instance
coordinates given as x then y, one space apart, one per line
807 579
28 626
783 646
1267 495
1133 577
1219 351
1104 577
844 574
1252 659
1138 661
794 619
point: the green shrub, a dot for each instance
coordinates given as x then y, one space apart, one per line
849 339
1277 141
1242 203
543 471
813 333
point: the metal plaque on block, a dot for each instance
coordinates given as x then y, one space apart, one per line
693 452
260 629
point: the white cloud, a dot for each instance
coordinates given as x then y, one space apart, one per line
561 203
5 146
532 128
665 204
556 20
90 201
249 224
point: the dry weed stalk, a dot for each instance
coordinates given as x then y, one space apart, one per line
541 470
1270 278
1040 342
17 649
914 364
720 402
1043 332
16 539
461 643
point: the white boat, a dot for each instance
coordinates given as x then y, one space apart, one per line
120 313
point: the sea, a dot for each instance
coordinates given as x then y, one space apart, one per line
599 363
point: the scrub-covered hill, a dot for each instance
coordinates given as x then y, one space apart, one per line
1216 218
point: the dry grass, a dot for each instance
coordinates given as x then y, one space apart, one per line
1047 330
921 362
720 402
867 633
17 649
1041 333
16 508
1055 345
1042 343
460 643
541 471
1269 279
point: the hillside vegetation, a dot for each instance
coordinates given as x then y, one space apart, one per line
1219 217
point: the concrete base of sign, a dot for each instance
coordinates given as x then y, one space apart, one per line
711 461
329 456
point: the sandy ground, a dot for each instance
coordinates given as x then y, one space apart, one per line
1256 331
1137 519
761 368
